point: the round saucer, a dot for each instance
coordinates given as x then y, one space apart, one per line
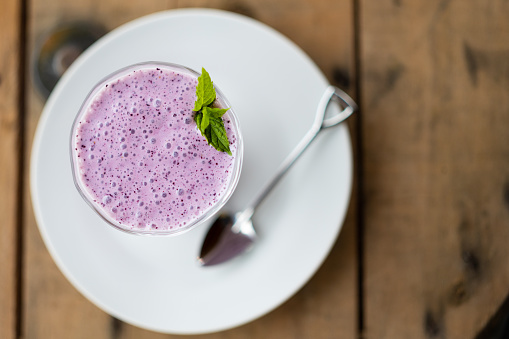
156 283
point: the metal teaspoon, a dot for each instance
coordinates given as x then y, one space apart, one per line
231 235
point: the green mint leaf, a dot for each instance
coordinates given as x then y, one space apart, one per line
219 136
209 93
198 104
197 118
207 134
209 119
205 92
215 112
205 120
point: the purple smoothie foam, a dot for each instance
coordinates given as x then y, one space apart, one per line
139 158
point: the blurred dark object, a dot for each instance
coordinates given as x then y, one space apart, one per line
58 50
498 326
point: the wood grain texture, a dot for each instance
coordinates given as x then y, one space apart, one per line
326 307
435 78
52 308
10 16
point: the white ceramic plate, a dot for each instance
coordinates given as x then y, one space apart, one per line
156 283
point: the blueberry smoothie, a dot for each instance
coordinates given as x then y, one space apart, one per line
139 159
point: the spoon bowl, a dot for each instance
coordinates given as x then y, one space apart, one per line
233 234
235 238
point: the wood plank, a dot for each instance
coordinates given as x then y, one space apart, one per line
52 307
435 78
10 17
327 306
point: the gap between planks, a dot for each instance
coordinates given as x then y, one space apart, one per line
22 75
359 169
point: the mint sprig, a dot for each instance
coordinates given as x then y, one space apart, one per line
205 92
209 119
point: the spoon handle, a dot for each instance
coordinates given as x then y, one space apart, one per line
319 124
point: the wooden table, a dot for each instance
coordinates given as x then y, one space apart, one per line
424 249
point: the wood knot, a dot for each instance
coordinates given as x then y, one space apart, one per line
432 325
458 293
471 261
241 8
341 78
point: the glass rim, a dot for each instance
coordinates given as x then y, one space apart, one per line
237 166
